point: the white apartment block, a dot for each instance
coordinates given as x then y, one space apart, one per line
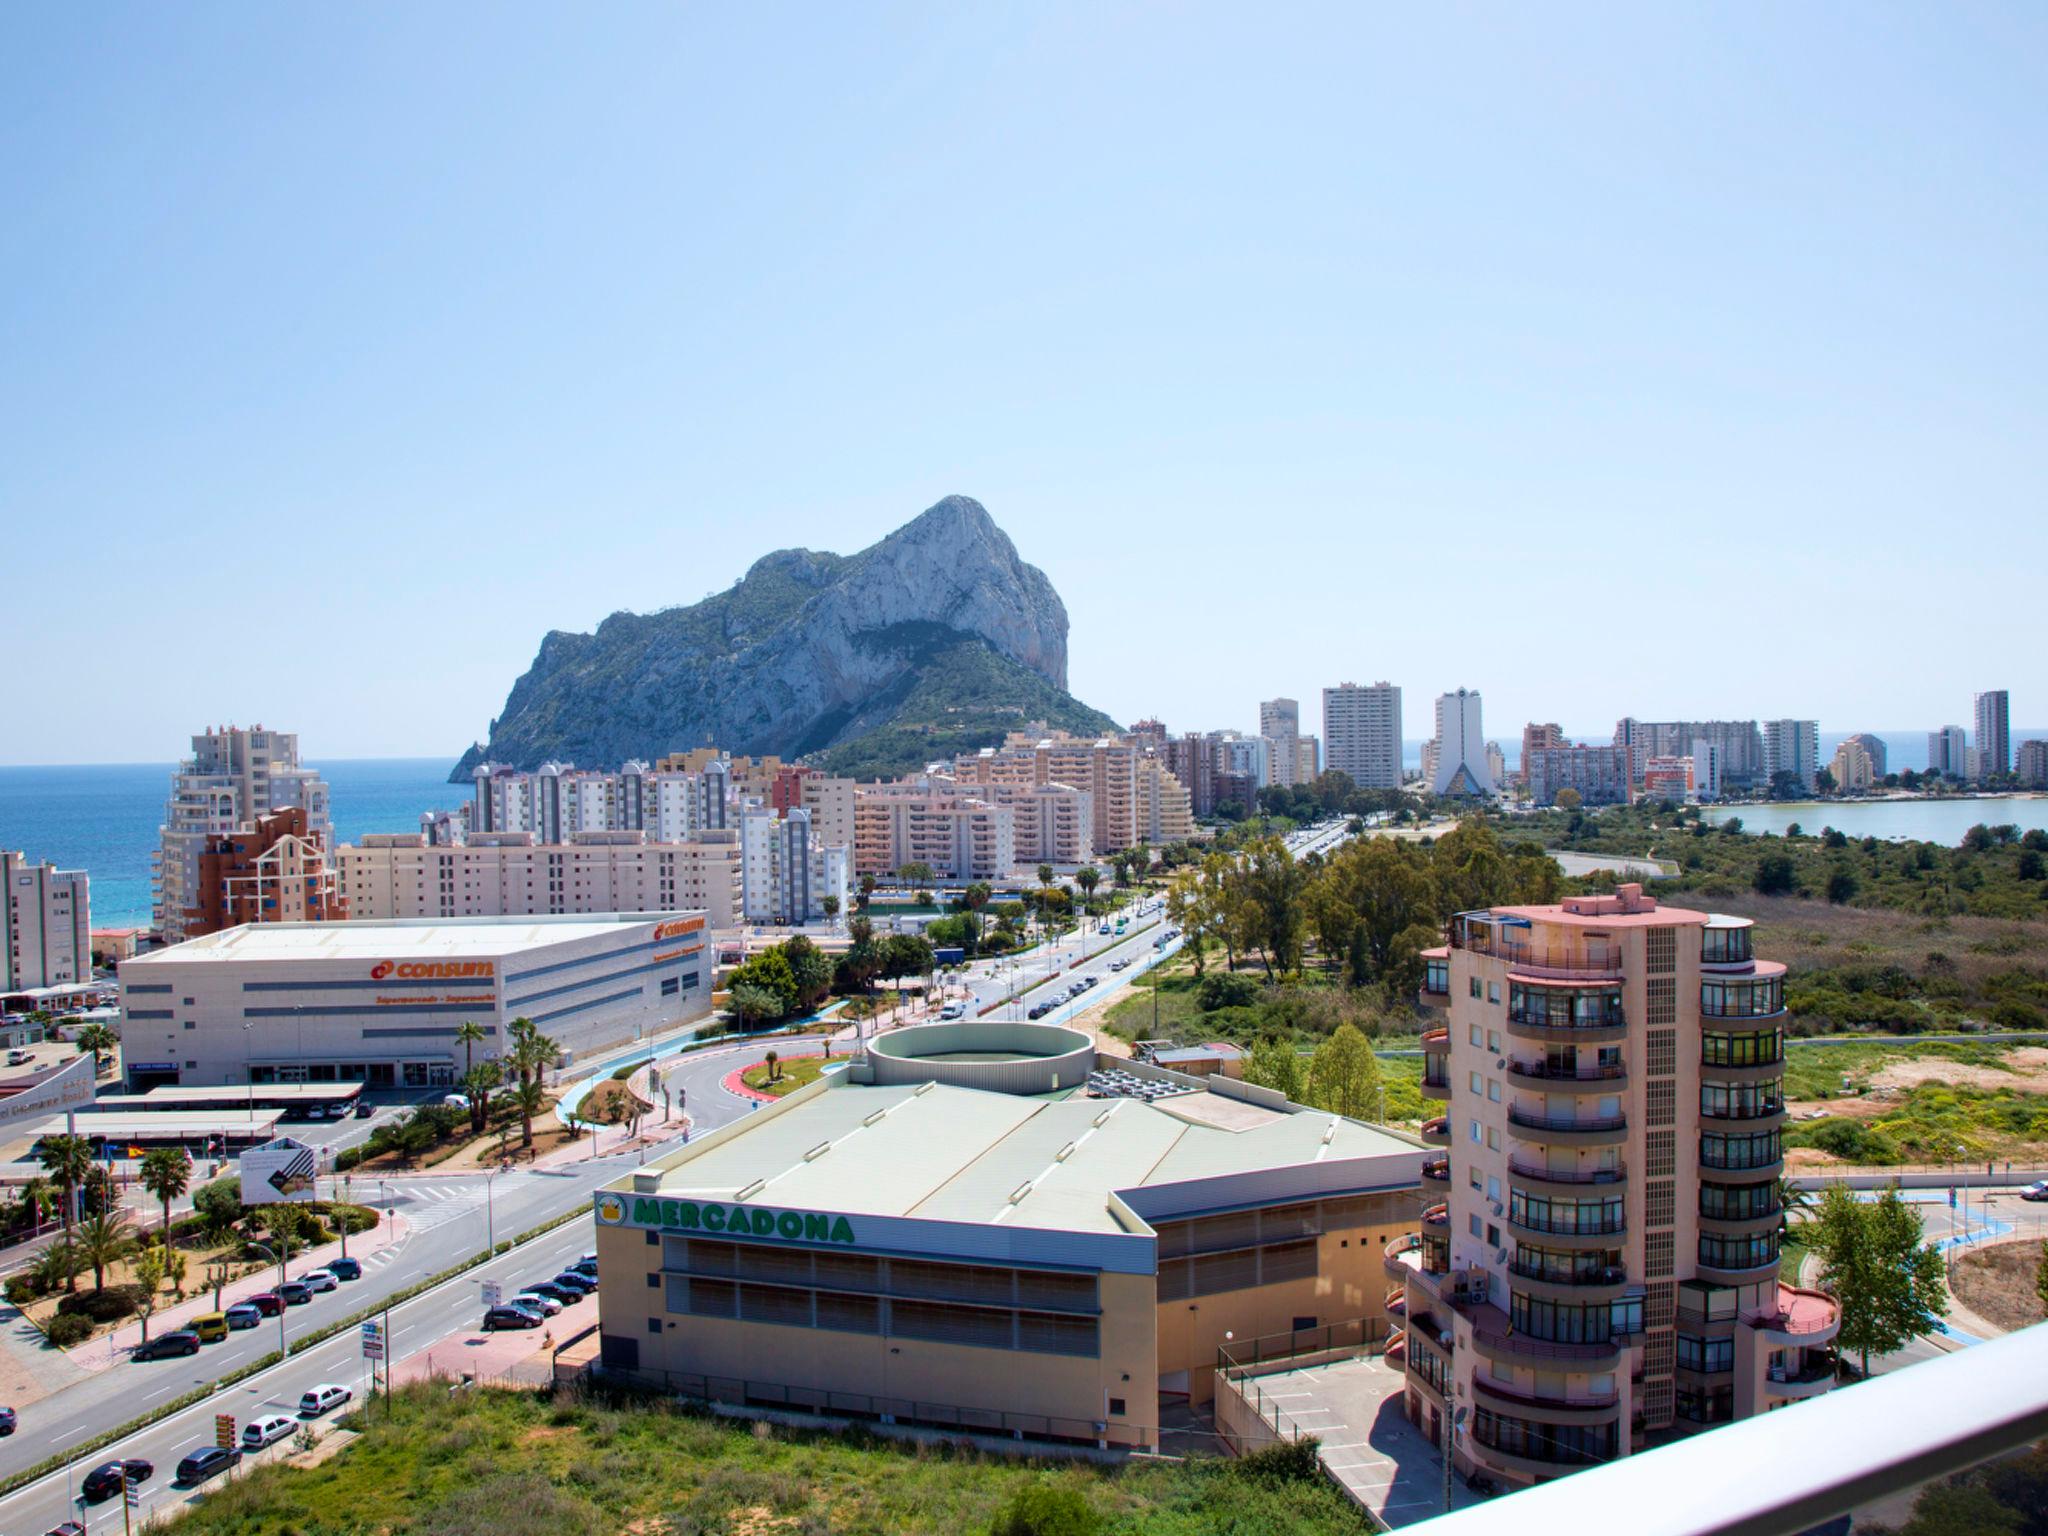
555 801
1163 813
1461 767
45 925
1280 724
1852 768
233 776
1362 734
785 875
1308 761
1994 732
1948 752
511 874
959 835
1706 769
1792 746
1053 823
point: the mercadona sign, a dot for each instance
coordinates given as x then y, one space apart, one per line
726 1220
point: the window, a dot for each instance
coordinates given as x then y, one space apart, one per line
671 985
1475 986
1493 1090
1472 1224
1492 1189
1478 1084
1475 1034
654 1325
1473 1127
1116 1407
1493 992
1492 1139
1493 1040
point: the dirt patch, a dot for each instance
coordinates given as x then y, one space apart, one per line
331 1444
1997 1283
2025 1069
612 1102
759 1520
547 1432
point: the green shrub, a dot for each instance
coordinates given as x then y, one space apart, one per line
1045 1509
68 1329
21 1290
1221 989
116 1301
1850 1140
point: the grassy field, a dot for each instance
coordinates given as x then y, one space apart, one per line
517 1464
1923 1102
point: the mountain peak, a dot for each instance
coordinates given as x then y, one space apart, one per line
813 652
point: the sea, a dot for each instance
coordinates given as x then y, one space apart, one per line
103 817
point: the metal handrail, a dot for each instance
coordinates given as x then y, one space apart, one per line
1608 1274
1599 1072
1615 1228
1613 1019
1567 1176
1549 1123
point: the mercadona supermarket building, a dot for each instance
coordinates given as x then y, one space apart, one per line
1001 1251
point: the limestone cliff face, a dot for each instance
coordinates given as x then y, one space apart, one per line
810 652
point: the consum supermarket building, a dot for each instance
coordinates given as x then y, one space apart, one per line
1048 1264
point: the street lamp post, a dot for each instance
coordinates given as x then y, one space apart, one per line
283 1349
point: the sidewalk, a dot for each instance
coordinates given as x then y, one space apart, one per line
522 1356
111 1348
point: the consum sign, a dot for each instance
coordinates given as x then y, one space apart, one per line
726 1220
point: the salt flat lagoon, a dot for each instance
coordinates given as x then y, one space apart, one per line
1930 821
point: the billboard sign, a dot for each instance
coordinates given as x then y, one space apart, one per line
277 1171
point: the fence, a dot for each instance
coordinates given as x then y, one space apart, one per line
1246 1417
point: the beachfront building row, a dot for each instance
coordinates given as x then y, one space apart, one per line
235 778
1599 1268
1133 797
45 925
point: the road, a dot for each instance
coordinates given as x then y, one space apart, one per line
450 1311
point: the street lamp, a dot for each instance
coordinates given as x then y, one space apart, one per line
283 1350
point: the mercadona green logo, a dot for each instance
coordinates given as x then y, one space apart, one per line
726 1220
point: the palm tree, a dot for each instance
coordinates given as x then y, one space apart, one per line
98 1039
1087 877
67 1160
529 1098
166 1173
467 1033
1044 897
57 1263
1792 1201
102 1240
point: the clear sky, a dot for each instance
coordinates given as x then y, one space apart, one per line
1675 361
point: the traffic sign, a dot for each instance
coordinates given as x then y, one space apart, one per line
492 1293
373 1349
224 1431
131 1490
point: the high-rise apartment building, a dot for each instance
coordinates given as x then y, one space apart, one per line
1706 769
45 925
1669 778
555 801
1740 743
955 833
1308 759
1792 747
1106 769
1600 1270
233 777
1280 724
1598 774
1875 749
1537 737
2030 764
1994 733
275 870
1851 767
786 874
1362 734
1948 752
1461 767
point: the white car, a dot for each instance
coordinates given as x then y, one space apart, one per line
258 1433
318 1280
322 1399
455 1101
546 1306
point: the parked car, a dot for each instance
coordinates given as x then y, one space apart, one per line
562 1295
533 1301
365 1109
1117 965
66 1528
953 1011
345 1269
258 1433
211 1327
208 1461
7 1421
266 1303
104 1482
587 1261
2038 1190
317 1280
510 1317
577 1281
323 1399
168 1346
455 1100
295 1293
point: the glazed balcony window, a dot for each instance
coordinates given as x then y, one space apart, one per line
1567 1267
1705 1355
1705 1405
1758 1149
1436 978
1751 998
1751 1252
1738 1202
1561 1009
1725 946
1740 1101
1765 1048
1541 1213
1568 1445
1572 1322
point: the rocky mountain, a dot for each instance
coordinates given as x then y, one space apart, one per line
936 640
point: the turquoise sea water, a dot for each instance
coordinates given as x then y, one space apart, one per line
103 818
1930 821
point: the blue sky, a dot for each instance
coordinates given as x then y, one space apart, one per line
1676 361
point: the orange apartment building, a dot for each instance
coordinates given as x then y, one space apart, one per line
274 871
1599 1270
